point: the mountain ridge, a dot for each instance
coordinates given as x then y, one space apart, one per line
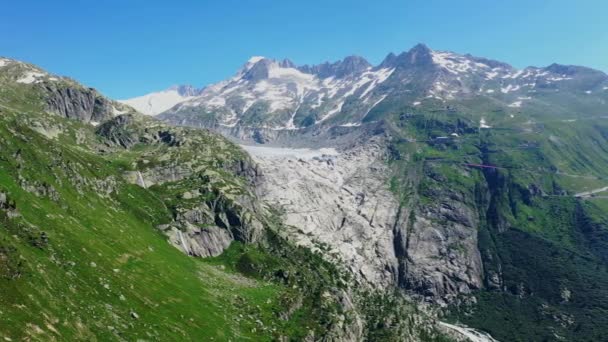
268 95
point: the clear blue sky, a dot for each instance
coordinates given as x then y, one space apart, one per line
128 48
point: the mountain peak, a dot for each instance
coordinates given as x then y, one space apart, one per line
185 90
421 48
255 59
259 70
348 66
418 55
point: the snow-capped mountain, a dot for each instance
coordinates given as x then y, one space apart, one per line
278 95
158 102
271 95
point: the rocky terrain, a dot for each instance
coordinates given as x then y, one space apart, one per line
436 196
464 182
115 226
338 199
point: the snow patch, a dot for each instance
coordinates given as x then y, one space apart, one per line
509 88
336 109
255 59
351 124
30 77
515 104
454 63
117 112
156 103
483 124
491 75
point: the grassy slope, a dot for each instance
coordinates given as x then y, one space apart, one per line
104 260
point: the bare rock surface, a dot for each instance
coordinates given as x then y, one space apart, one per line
338 200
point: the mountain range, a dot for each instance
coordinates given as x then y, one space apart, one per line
434 197
268 95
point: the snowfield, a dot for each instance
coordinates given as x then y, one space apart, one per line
156 103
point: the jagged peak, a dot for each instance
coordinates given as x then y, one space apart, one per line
419 55
389 60
185 90
420 48
339 69
287 63
255 59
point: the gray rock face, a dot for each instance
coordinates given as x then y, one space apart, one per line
186 90
83 104
441 259
341 200
348 66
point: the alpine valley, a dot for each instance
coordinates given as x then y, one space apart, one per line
433 197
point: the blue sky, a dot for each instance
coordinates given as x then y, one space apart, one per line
128 48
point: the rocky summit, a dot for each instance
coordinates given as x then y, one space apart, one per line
436 196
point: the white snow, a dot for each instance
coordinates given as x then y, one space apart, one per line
351 124
375 104
416 103
3 62
515 75
519 101
117 112
278 96
509 88
588 92
555 79
156 103
94 123
377 78
319 101
255 59
30 77
217 102
483 124
275 71
490 91
454 63
337 109
491 75
515 104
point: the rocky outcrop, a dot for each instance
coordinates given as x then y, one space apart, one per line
210 227
341 202
75 102
439 255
